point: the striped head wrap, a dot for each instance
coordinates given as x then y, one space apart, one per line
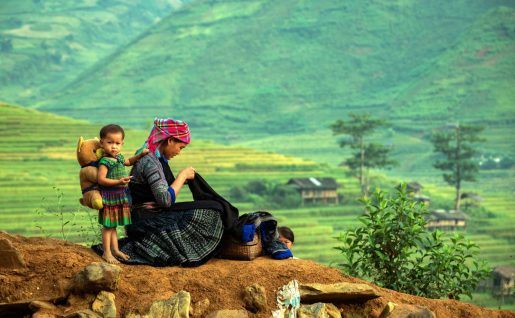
165 128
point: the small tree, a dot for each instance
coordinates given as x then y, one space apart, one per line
456 144
394 250
6 45
368 155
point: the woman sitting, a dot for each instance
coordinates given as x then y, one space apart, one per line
163 232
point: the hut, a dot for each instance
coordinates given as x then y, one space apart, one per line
446 220
424 199
316 190
414 187
503 280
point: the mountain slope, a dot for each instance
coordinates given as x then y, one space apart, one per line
45 44
242 70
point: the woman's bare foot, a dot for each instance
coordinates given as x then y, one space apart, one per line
110 259
121 254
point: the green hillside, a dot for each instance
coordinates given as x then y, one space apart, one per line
46 44
291 67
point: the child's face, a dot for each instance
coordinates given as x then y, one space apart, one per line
285 241
112 144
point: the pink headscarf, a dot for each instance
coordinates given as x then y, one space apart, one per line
164 128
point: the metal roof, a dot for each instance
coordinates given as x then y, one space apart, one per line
314 183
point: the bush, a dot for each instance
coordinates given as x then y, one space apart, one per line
394 250
265 194
285 196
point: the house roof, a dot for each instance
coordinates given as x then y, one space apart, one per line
411 186
314 183
505 271
447 215
421 198
414 186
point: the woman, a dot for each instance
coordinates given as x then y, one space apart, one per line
164 232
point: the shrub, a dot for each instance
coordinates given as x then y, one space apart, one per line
266 195
394 250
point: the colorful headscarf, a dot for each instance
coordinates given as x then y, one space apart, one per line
164 128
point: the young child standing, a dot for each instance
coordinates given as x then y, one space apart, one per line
113 181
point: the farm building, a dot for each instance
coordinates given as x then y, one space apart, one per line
414 187
422 199
316 190
503 280
446 220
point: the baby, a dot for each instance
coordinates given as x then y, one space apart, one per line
286 236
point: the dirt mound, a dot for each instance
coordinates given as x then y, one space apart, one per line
51 263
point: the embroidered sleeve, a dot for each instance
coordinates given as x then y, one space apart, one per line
153 174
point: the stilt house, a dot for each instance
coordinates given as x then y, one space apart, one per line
316 190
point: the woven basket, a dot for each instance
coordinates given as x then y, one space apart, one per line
234 249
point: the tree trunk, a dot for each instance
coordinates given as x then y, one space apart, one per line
458 197
361 168
457 202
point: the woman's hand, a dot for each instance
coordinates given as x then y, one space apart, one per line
184 175
187 173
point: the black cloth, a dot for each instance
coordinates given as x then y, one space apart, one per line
203 192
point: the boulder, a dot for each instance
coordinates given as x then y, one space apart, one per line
10 257
43 314
334 293
177 306
228 313
318 310
40 304
200 308
393 310
104 305
83 313
96 277
254 298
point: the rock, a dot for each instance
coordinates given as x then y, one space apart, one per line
254 298
319 310
393 310
39 304
228 313
339 292
15 309
177 306
84 313
83 300
97 277
10 257
104 305
43 314
199 308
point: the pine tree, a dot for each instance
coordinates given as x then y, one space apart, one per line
456 144
368 155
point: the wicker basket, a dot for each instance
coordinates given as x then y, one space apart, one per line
234 249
